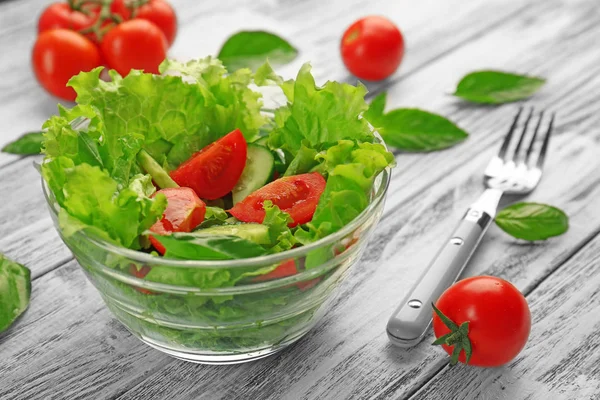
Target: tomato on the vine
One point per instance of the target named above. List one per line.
(62, 16)
(134, 44)
(372, 48)
(482, 321)
(59, 54)
(159, 12)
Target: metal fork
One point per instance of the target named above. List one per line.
(514, 172)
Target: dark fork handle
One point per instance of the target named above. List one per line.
(412, 318)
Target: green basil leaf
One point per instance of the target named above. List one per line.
(412, 129)
(15, 290)
(250, 49)
(496, 87)
(532, 221)
(29, 143)
(196, 246)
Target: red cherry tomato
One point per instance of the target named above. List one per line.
(372, 48)
(184, 212)
(61, 16)
(134, 44)
(158, 12)
(213, 171)
(120, 8)
(58, 55)
(297, 195)
(498, 316)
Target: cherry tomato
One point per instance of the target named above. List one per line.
(372, 48)
(120, 8)
(184, 212)
(213, 171)
(134, 44)
(58, 55)
(61, 16)
(297, 195)
(498, 316)
(158, 12)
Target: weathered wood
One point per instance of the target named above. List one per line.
(347, 355)
(560, 360)
(314, 29)
(53, 351)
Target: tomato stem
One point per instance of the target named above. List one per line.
(458, 337)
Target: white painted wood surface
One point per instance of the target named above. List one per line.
(68, 346)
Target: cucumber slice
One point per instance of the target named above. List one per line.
(256, 233)
(263, 141)
(258, 171)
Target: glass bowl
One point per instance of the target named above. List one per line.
(222, 325)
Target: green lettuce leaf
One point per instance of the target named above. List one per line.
(196, 246)
(319, 116)
(92, 202)
(281, 235)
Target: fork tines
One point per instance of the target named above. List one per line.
(517, 155)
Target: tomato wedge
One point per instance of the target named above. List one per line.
(297, 195)
(184, 212)
(213, 171)
(140, 274)
(283, 270)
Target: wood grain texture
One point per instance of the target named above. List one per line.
(68, 346)
(312, 26)
(560, 360)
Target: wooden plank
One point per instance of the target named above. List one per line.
(314, 28)
(560, 360)
(26, 231)
(54, 349)
(348, 354)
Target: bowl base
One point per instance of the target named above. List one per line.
(220, 359)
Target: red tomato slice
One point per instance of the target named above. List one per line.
(283, 270)
(213, 171)
(297, 195)
(184, 212)
(140, 274)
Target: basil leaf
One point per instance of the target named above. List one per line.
(496, 87)
(190, 246)
(15, 290)
(532, 221)
(250, 49)
(28, 144)
(412, 129)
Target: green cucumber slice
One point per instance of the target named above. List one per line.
(263, 141)
(256, 233)
(259, 169)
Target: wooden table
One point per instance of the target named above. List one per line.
(68, 346)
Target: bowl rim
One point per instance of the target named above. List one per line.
(378, 194)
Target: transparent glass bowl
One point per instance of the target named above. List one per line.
(222, 325)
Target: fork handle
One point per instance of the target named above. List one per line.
(412, 318)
